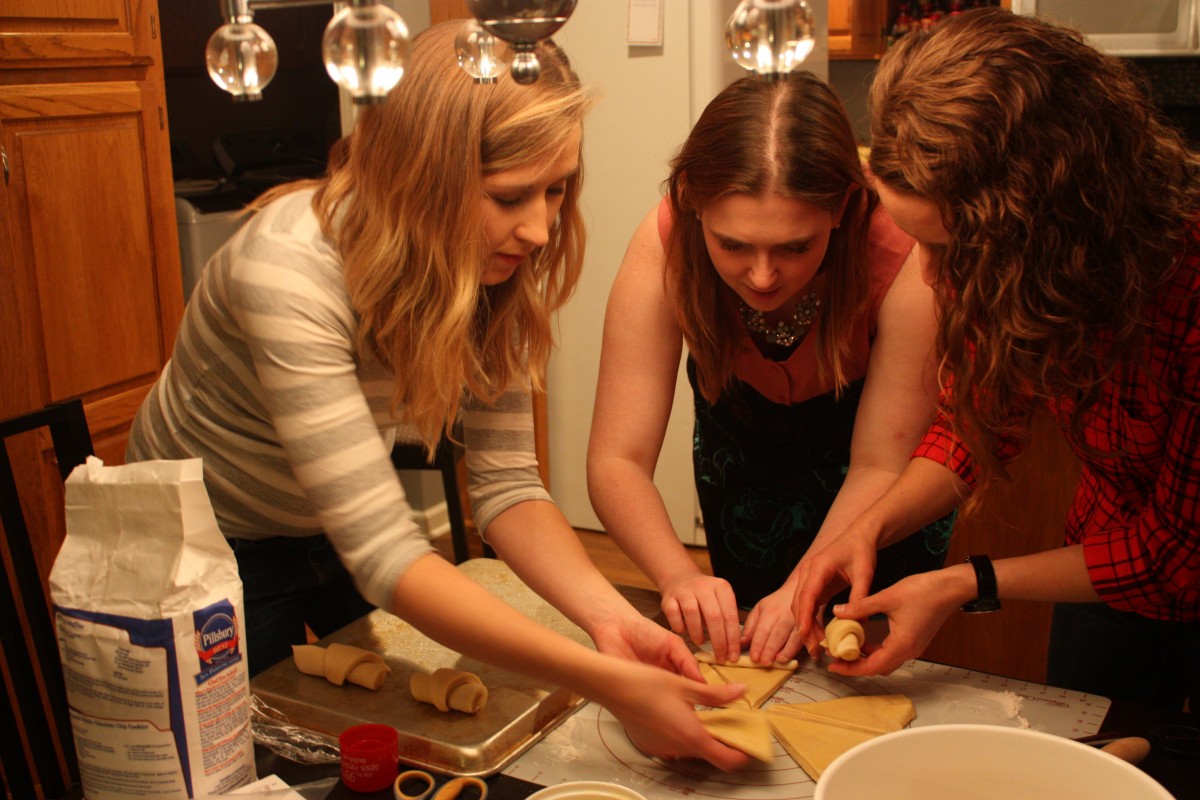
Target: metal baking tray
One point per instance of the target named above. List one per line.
(520, 709)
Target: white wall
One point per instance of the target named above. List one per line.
(650, 98)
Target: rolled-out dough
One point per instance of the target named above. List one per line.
(745, 729)
(761, 680)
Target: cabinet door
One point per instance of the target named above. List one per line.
(40, 33)
(93, 249)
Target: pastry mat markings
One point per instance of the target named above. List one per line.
(592, 744)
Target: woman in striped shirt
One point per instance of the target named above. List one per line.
(412, 286)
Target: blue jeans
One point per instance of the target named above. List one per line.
(1097, 649)
(287, 583)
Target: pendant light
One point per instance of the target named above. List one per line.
(365, 48)
(522, 23)
(366, 45)
(476, 51)
(770, 37)
(241, 56)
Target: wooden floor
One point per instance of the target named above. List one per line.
(608, 558)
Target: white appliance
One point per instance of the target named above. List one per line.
(201, 231)
(1125, 27)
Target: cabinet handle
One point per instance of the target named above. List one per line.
(4, 160)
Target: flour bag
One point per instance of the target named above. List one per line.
(148, 605)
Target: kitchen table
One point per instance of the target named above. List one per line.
(1179, 774)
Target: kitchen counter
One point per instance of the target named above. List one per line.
(1180, 775)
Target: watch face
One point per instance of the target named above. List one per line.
(981, 606)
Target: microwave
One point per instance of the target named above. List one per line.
(1125, 27)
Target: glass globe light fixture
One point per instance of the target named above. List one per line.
(770, 37)
(366, 50)
(476, 49)
(241, 56)
(522, 23)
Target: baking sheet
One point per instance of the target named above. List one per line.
(520, 710)
(592, 745)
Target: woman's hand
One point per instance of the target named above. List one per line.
(657, 710)
(916, 607)
(770, 628)
(699, 602)
(848, 559)
(639, 639)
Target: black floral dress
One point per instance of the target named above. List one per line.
(766, 475)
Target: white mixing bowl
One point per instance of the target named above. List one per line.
(982, 762)
(586, 790)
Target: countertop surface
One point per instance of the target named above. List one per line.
(1179, 774)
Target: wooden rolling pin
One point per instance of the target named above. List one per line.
(1128, 748)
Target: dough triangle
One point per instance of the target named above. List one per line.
(869, 714)
(814, 745)
(761, 680)
(741, 728)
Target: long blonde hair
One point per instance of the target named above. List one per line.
(1068, 201)
(792, 139)
(404, 201)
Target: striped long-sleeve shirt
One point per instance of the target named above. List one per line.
(266, 386)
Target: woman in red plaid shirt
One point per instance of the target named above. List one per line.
(1057, 219)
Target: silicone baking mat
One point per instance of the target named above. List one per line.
(592, 745)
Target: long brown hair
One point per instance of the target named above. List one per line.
(404, 201)
(1067, 200)
(789, 138)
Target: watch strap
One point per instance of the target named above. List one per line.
(985, 579)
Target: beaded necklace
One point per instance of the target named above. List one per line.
(786, 332)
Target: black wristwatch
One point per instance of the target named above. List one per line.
(985, 578)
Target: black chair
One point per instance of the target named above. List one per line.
(23, 663)
(415, 456)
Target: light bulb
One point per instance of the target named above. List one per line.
(366, 50)
(522, 23)
(770, 37)
(476, 49)
(241, 58)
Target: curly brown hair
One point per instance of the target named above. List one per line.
(1067, 199)
(788, 138)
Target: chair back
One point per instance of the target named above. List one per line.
(415, 456)
(37, 746)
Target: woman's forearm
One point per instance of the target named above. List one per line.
(446, 605)
(633, 514)
(536, 541)
(925, 492)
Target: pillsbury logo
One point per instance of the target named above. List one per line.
(216, 639)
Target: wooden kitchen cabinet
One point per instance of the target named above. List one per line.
(91, 289)
(858, 28)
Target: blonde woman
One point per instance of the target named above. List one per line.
(414, 284)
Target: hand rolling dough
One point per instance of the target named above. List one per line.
(448, 688)
(844, 639)
(340, 663)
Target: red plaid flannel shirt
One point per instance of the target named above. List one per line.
(1135, 513)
